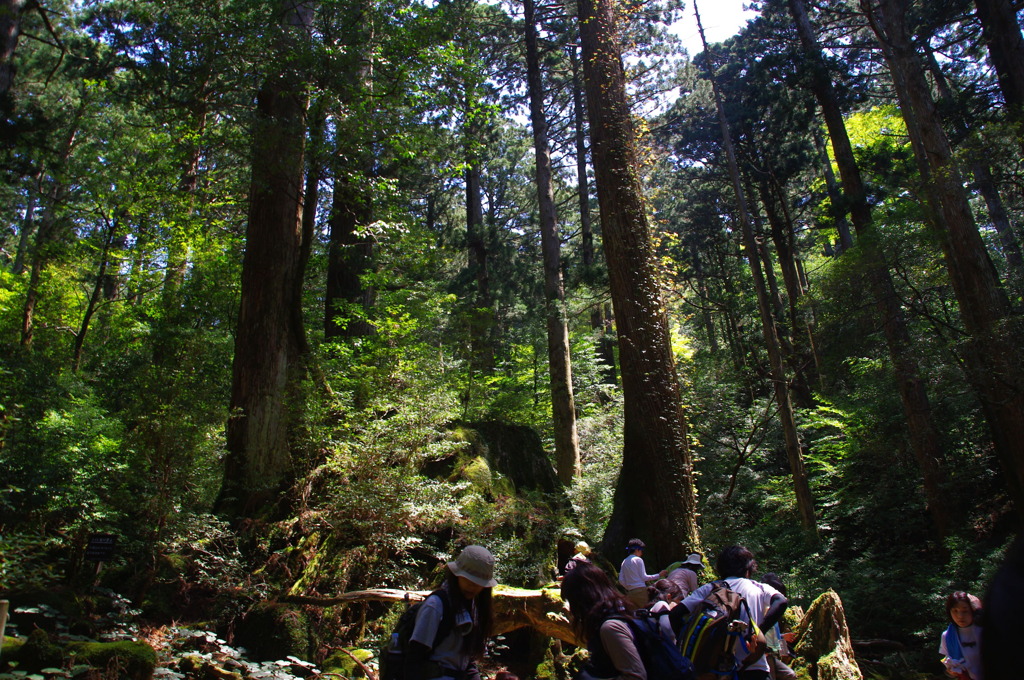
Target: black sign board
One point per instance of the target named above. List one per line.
(101, 547)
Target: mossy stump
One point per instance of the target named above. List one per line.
(823, 639)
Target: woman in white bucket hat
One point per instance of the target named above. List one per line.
(454, 622)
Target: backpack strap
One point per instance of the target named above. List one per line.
(447, 622)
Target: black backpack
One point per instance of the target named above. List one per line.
(662, 659)
(707, 637)
(392, 656)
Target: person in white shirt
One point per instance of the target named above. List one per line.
(633, 574)
(736, 565)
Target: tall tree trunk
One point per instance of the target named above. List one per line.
(835, 195)
(563, 406)
(94, 297)
(10, 29)
(1002, 34)
(267, 352)
(924, 438)
(992, 354)
(46, 234)
(351, 255)
(599, 322)
(481, 319)
(983, 179)
(655, 433)
(780, 381)
(28, 225)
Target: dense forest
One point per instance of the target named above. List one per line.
(298, 297)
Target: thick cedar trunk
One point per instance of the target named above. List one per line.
(780, 382)
(267, 352)
(599, 321)
(655, 436)
(992, 355)
(563, 407)
(1005, 47)
(924, 439)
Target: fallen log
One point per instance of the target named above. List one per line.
(514, 608)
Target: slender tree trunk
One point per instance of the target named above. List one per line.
(705, 298)
(992, 354)
(563, 406)
(835, 195)
(655, 433)
(94, 297)
(267, 353)
(46, 234)
(482, 319)
(924, 438)
(28, 226)
(599, 321)
(351, 255)
(983, 179)
(794, 452)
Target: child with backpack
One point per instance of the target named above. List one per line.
(719, 625)
(961, 642)
(453, 623)
(621, 646)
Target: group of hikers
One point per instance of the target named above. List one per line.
(661, 626)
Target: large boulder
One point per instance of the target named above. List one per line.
(517, 452)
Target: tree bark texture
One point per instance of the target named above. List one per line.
(1002, 34)
(780, 381)
(599, 321)
(563, 406)
(10, 30)
(924, 438)
(267, 344)
(992, 355)
(655, 433)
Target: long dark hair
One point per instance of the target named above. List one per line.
(592, 599)
(474, 643)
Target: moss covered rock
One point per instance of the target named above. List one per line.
(10, 650)
(130, 659)
(195, 666)
(272, 630)
(38, 652)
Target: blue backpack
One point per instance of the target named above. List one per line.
(662, 659)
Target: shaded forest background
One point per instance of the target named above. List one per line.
(298, 297)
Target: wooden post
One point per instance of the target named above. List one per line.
(4, 605)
